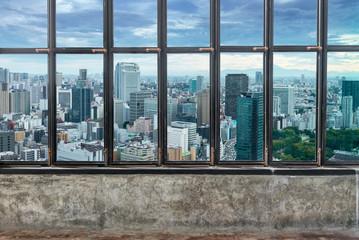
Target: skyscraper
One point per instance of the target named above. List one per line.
(178, 137)
(286, 95)
(4, 75)
(4, 99)
(236, 84)
(19, 102)
(151, 108)
(59, 79)
(200, 83)
(203, 107)
(81, 103)
(118, 112)
(192, 131)
(82, 81)
(7, 141)
(83, 74)
(192, 86)
(347, 111)
(64, 97)
(137, 104)
(250, 127)
(36, 94)
(276, 106)
(259, 78)
(127, 80)
(351, 88)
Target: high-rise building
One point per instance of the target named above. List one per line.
(30, 154)
(259, 78)
(83, 74)
(178, 137)
(118, 112)
(19, 101)
(174, 153)
(7, 141)
(36, 94)
(58, 79)
(276, 106)
(81, 104)
(138, 152)
(192, 86)
(200, 83)
(351, 88)
(151, 108)
(82, 81)
(203, 107)
(4, 99)
(286, 95)
(141, 125)
(137, 104)
(192, 131)
(127, 80)
(347, 111)
(236, 84)
(249, 144)
(64, 97)
(187, 108)
(4, 75)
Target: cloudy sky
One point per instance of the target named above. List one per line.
(23, 23)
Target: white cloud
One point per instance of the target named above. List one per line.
(68, 6)
(299, 61)
(33, 64)
(347, 39)
(241, 61)
(343, 62)
(146, 32)
(188, 64)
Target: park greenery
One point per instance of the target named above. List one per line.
(292, 144)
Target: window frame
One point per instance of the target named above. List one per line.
(214, 50)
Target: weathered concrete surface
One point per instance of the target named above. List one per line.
(177, 202)
(125, 235)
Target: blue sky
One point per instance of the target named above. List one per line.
(23, 23)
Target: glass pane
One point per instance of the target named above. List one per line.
(79, 95)
(135, 108)
(294, 104)
(295, 22)
(79, 23)
(188, 23)
(23, 108)
(242, 22)
(23, 23)
(188, 119)
(135, 23)
(343, 22)
(342, 138)
(241, 109)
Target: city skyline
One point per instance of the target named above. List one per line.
(80, 24)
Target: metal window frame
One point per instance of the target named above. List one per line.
(214, 68)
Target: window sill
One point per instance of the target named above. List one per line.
(189, 170)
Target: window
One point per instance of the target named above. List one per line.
(169, 82)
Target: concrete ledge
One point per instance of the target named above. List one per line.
(185, 170)
(177, 201)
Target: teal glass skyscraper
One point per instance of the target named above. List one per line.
(250, 127)
(351, 88)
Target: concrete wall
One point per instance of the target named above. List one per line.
(158, 202)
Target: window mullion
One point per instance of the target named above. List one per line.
(215, 81)
(268, 81)
(51, 39)
(162, 80)
(322, 34)
(108, 80)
